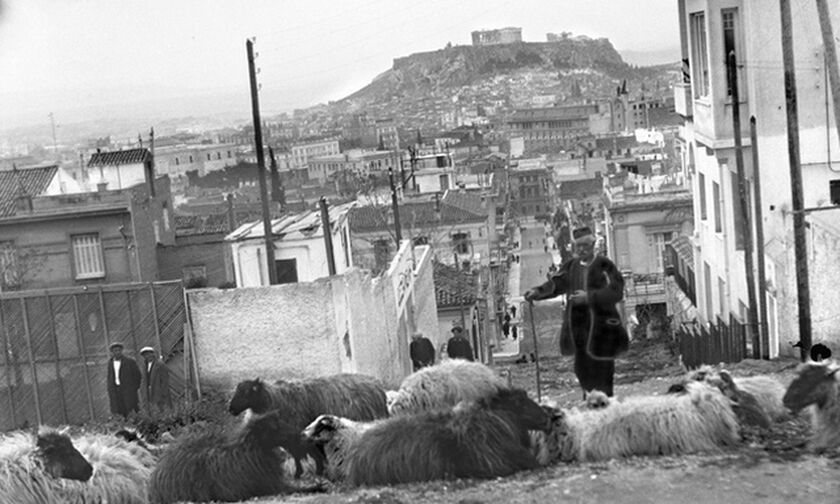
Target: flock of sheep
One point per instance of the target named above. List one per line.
(457, 419)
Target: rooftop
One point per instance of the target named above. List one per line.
(297, 226)
(23, 182)
(453, 287)
(412, 215)
(191, 225)
(123, 157)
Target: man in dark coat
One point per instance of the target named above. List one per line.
(592, 330)
(421, 350)
(155, 382)
(123, 381)
(458, 347)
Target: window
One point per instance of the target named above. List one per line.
(286, 270)
(87, 256)
(208, 156)
(177, 162)
(722, 296)
(834, 191)
(194, 276)
(8, 265)
(420, 240)
(461, 243)
(707, 277)
(699, 54)
(381, 253)
(718, 209)
(228, 153)
(191, 159)
(701, 183)
(730, 45)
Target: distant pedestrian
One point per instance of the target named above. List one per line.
(123, 382)
(458, 347)
(513, 332)
(513, 311)
(155, 382)
(421, 350)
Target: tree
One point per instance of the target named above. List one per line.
(18, 266)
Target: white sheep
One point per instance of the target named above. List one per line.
(768, 391)
(701, 419)
(444, 385)
(818, 384)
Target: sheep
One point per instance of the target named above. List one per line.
(444, 385)
(481, 439)
(818, 384)
(818, 352)
(355, 396)
(767, 391)
(31, 467)
(701, 419)
(225, 466)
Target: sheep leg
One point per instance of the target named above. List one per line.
(298, 468)
(319, 461)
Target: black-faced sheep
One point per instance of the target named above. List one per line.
(224, 466)
(482, 439)
(700, 419)
(31, 466)
(444, 385)
(354, 396)
(768, 391)
(818, 384)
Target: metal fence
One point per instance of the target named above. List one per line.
(719, 343)
(54, 342)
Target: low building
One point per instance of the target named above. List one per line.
(200, 254)
(300, 253)
(551, 128)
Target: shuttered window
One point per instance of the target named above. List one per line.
(87, 256)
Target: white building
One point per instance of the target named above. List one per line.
(300, 252)
(709, 30)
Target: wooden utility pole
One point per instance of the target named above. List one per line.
(396, 208)
(831, 58)
(797, 198)
(328, 243)
(255, 109)
(759, 245)
(746, 230)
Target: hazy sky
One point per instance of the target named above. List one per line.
(81, 58)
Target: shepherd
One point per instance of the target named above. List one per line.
(592, 330)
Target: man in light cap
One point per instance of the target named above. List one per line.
(592, 329)
(155, 384)
(123, 381)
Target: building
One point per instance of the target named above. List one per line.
(457, 300)
(302, 150)
(530, 189)
(710, 29)
(551, 129)
(199, 255)
(300, 253)
(177, 160)
(355, 163)
(56, 240)
(507, 35)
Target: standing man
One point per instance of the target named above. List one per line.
(155, 383)
(592, 330)
(421, 350)
(123, 381)
(458, 347)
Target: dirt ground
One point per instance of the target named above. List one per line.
(771, 466)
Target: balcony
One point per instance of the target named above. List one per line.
(713, 123)
(683, 100)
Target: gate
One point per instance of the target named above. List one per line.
(54, 342)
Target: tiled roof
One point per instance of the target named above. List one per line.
(26, 181)
(453, 287)
(189, 225)
(130, 156)
(367, 218)
(575, 189)
(468, 201)
(616, 142)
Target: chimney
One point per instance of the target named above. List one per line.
(150, 164)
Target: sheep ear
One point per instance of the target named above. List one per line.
(64, 431)
(832, 371)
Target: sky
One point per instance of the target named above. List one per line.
(83, 59)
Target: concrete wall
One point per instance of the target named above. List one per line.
(344, 323)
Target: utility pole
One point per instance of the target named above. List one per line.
(255, 110)
(328, 243)
(396, 207)
(797, 198)
(831, 58)
(278, 194)
(759, 245)
(732, 70)
(55, 142)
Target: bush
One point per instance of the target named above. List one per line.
(210, 409)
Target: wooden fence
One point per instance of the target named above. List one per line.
(720, 343)
(54, 347)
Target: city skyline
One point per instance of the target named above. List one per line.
(93, 59)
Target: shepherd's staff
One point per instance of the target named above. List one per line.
(536, 348)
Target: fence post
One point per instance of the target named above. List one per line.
(82, 355)
(57, 357)
(6, 352)
(105, 320)
(155, 316)
(35, 391)
(131, 320)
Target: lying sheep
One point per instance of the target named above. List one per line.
(444, 385)
(354, 396)
(224, 466)
(700, 419)
(31, 466)
(818, 384)
(768, 391)
(482, 439)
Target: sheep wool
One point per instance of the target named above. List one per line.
(818, 385)
(442, 386)
(768, 391)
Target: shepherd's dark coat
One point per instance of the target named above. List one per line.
(593, 332)
(422, 353)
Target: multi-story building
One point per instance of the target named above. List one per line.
(530, 189)
(303, 150)
(353, 163)
(709, 31)
(177, 160)
(551, 128)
